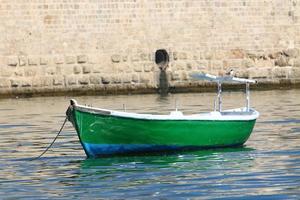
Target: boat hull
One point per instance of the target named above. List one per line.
(104, 135)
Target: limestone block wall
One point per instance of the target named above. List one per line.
(50, 46)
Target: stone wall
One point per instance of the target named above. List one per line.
(52, 46)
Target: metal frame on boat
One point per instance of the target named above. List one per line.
(105, 132)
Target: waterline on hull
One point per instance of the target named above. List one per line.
(103, 150)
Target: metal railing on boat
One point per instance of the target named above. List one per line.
(225, 79)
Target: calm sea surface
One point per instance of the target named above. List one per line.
(268, 167)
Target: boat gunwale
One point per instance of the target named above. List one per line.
(209, 116)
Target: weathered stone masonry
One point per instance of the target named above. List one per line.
(50, 46)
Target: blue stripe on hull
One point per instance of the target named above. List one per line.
(94, 150)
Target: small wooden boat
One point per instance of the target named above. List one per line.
(105, 132)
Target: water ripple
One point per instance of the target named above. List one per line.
(268, 167)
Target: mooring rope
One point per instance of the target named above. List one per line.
(66, 119)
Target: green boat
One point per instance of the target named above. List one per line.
(105, 132)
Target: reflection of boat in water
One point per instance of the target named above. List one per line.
(105, 132)
(208, 156)
(170, 158)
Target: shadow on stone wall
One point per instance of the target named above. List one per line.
(163, 83)
(162, 60)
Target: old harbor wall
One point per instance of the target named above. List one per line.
(117, 46)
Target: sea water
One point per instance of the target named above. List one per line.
(267, 167)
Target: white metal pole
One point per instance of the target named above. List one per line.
(176, 105)
(219, 96)
(247, 97)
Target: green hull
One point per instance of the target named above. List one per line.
(102, 134)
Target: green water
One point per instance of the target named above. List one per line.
(268, 167)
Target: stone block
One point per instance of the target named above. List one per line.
(202, 55)
(116, 58)
(71, 80)
(232, 64)
(236, 54)
(7, 72)
(125, 58)
(59, 69)
(119, 69)
(282, 61)
(152, 57)
(145, 57)
(219, 55)
(77, 69)
(293, 53)
(280, 72)
(126, 68)
(148, 67)
(297, 62)
(178, 65)
(33, 61)
(145, 78)
(295, 73)
(264, 63)
(216, 64)
(135, 58)
(208, 55)
(184, 76)
(106, 79)
(58, 80)
(84, 80)
(127, 78)
(82, 59)
(138, 67)
(116, 79)
(202, 64)
(196, 57)
(26, 83)
(274, 55)
(97, 69)
(37, 82)
(30, 72)
(93, 59)
(70, 59)
(15, 83)
(189, 66)
(65, 69)
(180, 56)
(22, 60)
(12, 61)
(289, 72)
(175, 76)
(43, 60)
(4, 83)
(47, 81)
(242, 73)
(135, 78)
(86, 69)
(19, 72)
(251, 55)
(248, 63)
(58, 60)
(291, 62)
(50, 71)
(258, 73)
(95, 79)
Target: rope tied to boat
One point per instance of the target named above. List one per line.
(66, 119)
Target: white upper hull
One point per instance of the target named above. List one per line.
(226, 115)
